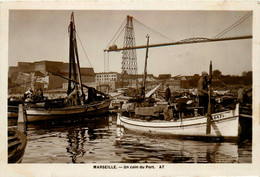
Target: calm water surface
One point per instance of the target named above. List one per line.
(99, 140)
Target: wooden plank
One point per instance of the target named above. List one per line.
(14, 143)
(12, 137)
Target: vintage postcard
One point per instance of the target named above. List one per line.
(130, 88)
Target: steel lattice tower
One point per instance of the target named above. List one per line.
(129, 63)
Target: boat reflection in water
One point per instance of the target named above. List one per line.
(149, 149)
(77, 137)
(99, 140)
(76, 140)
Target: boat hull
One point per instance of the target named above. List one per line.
(17, 142)
(12, 111)
(223, 125)
(245, 120)
(12, 115)
(43, 114)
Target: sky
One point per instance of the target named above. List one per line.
(36, 35)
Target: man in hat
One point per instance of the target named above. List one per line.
(167, 93)
(203, 91)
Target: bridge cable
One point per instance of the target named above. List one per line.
(233, 25)
(153, 30)
(117, 34)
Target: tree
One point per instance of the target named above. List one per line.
(216, 74)
(248, 78)
(244, 74)
(249, 74)
(196, 75)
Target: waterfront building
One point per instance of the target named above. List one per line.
(106, 81)
(110, 81)
(27, 73)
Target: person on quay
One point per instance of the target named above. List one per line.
(167, 93)
(203, 91)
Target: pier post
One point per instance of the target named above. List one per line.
(121, 105)
(22, 117)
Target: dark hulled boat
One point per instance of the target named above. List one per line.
(76, 104)
(16, 145)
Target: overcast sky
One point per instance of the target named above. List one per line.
(36, 35)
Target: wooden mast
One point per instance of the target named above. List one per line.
(208, 130)
(73, 53)
(72, 66)
(77, 57)
(145, 66)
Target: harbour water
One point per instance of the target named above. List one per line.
(99, 140)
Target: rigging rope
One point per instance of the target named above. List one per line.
(84, 50)
(234, 25)
(153, 30)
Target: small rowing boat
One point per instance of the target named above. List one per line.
(16, 145)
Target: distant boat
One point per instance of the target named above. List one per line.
(74, 105)
(223, 125)
(16, 145)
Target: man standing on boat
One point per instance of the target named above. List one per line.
(73, 97)
(167, 93)
(203, 91)
(240, 94)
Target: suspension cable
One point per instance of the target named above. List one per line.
(234, 25)
(116, 34)
(153, 30)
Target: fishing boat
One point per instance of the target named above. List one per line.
(158, 119)
(76, 104)
(224, 125)
(16, 145)
(42, 113)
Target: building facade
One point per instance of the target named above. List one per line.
(40, 73)
(107, 80)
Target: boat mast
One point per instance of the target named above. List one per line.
(74, 48)
(72, 65)
(208, 130)
(145, 66)
(77, 57)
